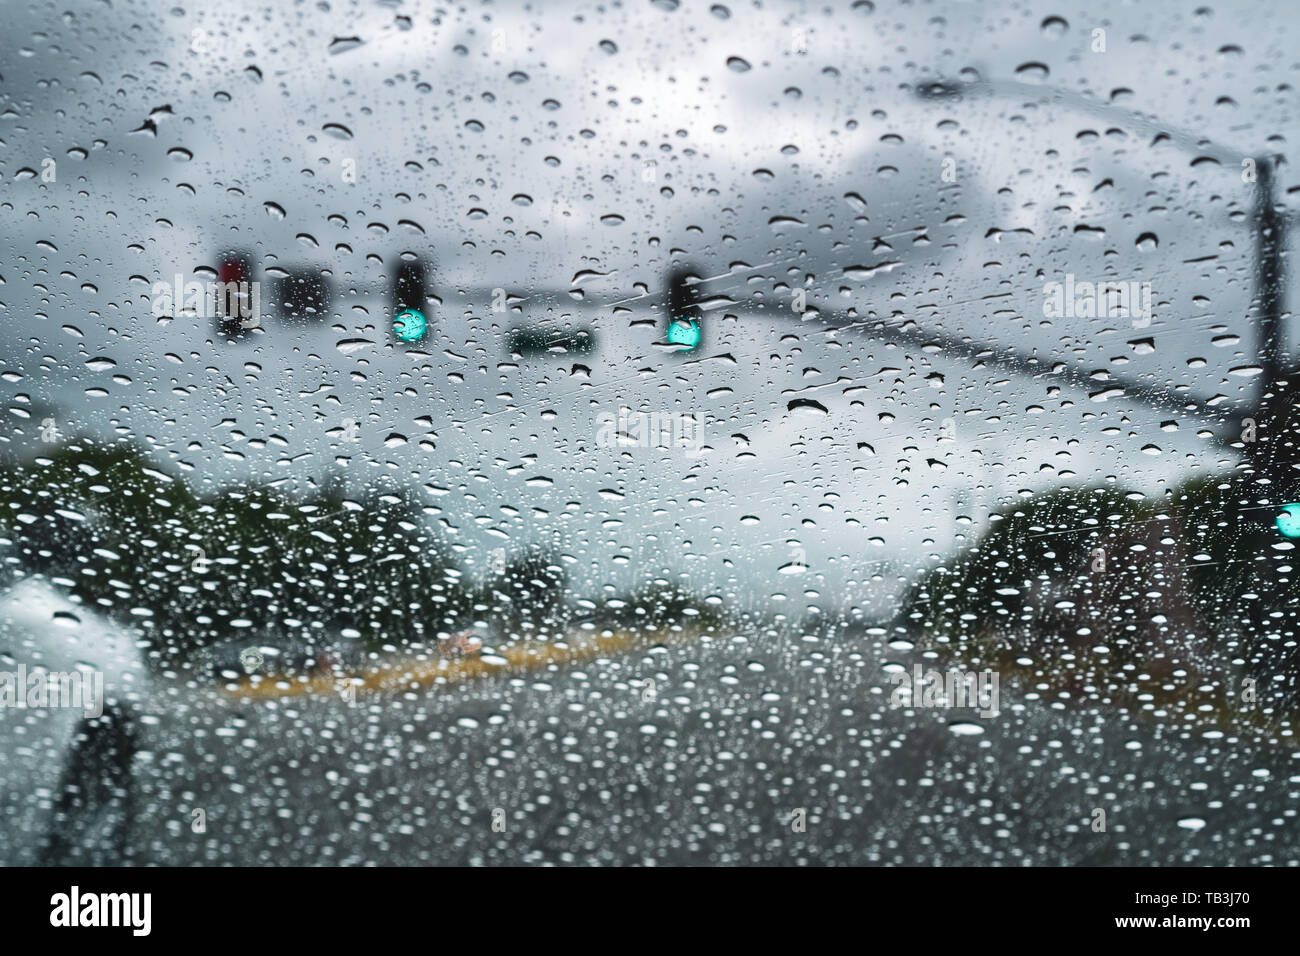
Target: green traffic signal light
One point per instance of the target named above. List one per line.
(685, 333)
(410, 325)
(1288, 521)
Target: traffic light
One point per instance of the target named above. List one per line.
(302, 294)
(536, 340)
(410, 322)
(1287, 521)
(236, 304)
(683, 318)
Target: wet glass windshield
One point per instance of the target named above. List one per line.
(647, 433)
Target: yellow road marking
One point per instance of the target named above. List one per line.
(519, 656)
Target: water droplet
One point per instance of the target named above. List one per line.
(344, 44)
(1033, 72)
(1054, 27)
(806, 406)
(348, 346)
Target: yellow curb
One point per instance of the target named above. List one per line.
(1222, 717)
(519, 657)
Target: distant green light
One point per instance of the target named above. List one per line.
(686, 333)
(1288, 521)
(410, 325)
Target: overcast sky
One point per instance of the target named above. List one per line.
(508, 144)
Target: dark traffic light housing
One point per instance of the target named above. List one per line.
(534, 340)
(303, 294)
(234, 305)
(683, 318)
(409, 316)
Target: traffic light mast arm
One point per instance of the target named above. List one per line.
(1268, 222)
(1012, 360)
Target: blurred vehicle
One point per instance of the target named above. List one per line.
(462, 644)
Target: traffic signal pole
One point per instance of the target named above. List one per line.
(1270, 235)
